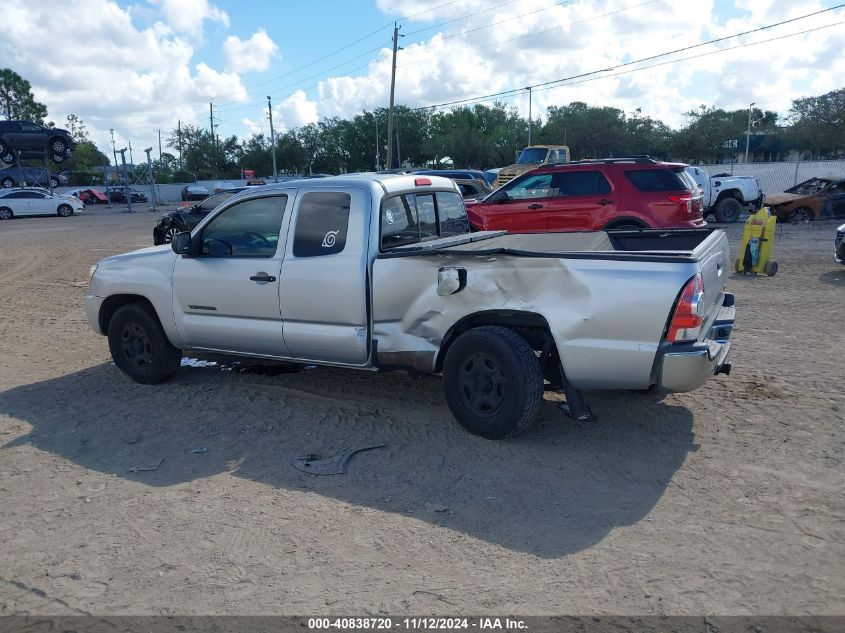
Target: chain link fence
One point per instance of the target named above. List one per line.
(776, 177)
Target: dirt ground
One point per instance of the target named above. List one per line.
(727, 500)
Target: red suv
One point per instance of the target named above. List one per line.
(590, 195)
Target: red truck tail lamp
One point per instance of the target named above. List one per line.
(686, 322)
(419, 182)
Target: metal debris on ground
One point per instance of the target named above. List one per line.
(199, 450)
(146, 467)
(315, 464)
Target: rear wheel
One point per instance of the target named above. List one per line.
(6, 213)
(7, 158)
(140, 347)
(727, 210)
(170, 233)
(801, 215)
(771, 268)
(493, 382)
(624, 225)
(54, 182)
(65, 210)
(7, 182)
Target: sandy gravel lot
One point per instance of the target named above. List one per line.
(728, 500)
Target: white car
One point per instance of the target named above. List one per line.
(18, 202)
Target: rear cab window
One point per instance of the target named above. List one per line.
(416, 217)
(659, 179)
(321, 224)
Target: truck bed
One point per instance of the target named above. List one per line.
(642, 245)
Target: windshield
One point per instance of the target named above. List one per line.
(532, 155)
(212, 201)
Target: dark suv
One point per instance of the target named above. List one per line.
(592, 195)
(26, 136)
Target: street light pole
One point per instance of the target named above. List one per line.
(126, 180)
(150, 174)
(272, 140)
(748, 132)
(114, 151)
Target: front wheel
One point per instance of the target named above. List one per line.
(65, 210)
(140, 347)
(58, 147)
(493, 382)
(802, 215)
(7, 182)
(170, 233)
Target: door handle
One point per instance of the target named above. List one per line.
(262, 276)
(604, 202)
(535, 206)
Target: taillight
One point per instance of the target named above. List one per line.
(686, 321)
(419, 182)
(684, 202)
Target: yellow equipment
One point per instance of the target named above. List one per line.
(755, 255)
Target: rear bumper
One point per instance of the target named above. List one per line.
(687, 366)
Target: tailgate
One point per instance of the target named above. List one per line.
(713, 256)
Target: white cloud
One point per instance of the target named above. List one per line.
(189, 15)
(295, 111)
(114, 75)
(252, 54)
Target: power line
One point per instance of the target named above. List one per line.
(339, 50)
(683, 59)
(630, 63)
(468, 15)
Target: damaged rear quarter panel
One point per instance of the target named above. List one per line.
(606, 316)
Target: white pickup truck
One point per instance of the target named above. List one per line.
(379, 272)
(726, 196)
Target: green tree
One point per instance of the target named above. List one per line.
(818, 124)
(16, 99)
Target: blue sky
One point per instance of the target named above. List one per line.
(143, 65)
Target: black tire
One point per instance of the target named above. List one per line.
(65, 210)
(58, 147)
(493, 383)
(771, 268)
(54, 182)
(801, 215)
(7, 158)
(58, 158)
(727, 210)
(169, 234)
(7, 182)
(4, 149)
(6, 213)
(139, 346)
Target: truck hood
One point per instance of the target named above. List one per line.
(780, 198)
(515, 170)
(150, 255)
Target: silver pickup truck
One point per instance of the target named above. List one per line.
(379, 272)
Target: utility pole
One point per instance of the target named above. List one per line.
(272, 139)
(131, 160)
(396, 36)
(126, 180)
(211, 122)
(150, 174)
(159, 147)
(114, 151)
(378, 155)
(179, 141)
(529, 114)
(748, 132)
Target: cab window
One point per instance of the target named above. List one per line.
(411, 218)
(321, 224)
(247, 229)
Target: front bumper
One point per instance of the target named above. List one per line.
(687, 366)
(92, 312)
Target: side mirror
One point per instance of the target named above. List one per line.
(181, 244)
(500, 195)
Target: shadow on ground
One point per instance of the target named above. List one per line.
(834, 277)
(553, 492)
